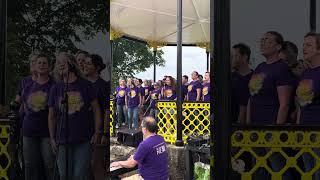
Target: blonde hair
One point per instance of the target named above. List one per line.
(72, 61)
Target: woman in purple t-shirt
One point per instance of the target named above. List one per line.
(36, 141)
(153, 98)
(206, 90)
(133, 101)
(93, 66)
(308, 95)
(26, 81)
(120, 101)
(73, 129)
(168, 93)
(194, 88)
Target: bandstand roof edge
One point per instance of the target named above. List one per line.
(155, 21)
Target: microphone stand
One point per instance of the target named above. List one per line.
(64, 120)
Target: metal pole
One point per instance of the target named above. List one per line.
(208, 63)
(108, 110)
(313, 15)
(154, 64)
(179, 141)
(3, 50)
(220, 35)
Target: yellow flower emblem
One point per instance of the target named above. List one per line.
(133, 93)
(205, 91)
(304, 92)
(121, 93)
(256, 83)
(37, 101)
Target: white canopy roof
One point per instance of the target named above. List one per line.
(155, 21)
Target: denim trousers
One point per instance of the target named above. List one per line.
(35, 150)
(153, 112)
(122, 114)
(79, 157)
(276, 163)
(310, 162)
(133, 114)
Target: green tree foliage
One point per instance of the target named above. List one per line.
(51, 26)
(128, 61)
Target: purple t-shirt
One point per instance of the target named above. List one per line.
(133, 97)
(120, 95)
(308, 95)
(184, 91)
(80, 119)
(103, 92)
(206, 91)
(152, 158)
(240, 92)
(192, 90)
(169, 93)
(263, 90)
(147, 90)
(142, 92)
(154, 96)
(35, 99)
(25, 82)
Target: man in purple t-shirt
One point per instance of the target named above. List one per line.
(270, 89)
(185, 85)
(240, 80)
(151, 155)
(194, 88)
(270, 85)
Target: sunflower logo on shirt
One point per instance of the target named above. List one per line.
(37, 101)
(168, 93)
(256, 83)
(133, 93)
(205, 91)
(153, 96)
(75, 101)
(121, 93)
(304, 92)
(190, 88)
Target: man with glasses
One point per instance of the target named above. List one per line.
(151, 155)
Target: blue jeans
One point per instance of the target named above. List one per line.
(122, 114)
(35, 150)
(310, 162)
(79, 157)
(133, 114)
(276, 163)
(153, 112)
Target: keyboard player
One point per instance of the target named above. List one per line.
(151, 155)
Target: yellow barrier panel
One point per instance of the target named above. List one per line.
(276, 153)
(195, 122)
(111, 117)
(5, 160)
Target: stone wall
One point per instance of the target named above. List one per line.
(176, 162)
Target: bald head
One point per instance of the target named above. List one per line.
(150, 124)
